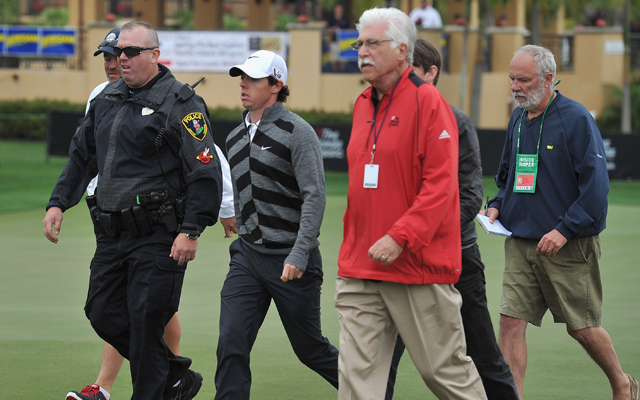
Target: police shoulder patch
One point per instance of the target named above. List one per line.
(195, 125)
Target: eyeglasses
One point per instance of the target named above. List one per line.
(131, 51)
(372, 44)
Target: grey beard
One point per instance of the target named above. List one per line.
(532, 100)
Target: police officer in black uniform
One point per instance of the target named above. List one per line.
(148, 136)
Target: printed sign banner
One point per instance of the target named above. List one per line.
(344, 38)
(58, 42)
(213, 51)
(21, 41)
(37, 41)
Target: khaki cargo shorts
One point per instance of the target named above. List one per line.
(568, 284)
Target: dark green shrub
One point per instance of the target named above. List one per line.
(233, 23)
(312, 117)
(27, 120)
(184, 17)
(55, 16)
(610, 118)
(9, 12)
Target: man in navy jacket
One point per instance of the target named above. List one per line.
(553, 187)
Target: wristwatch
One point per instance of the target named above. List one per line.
(191, 236)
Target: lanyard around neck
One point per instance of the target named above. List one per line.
(376, 134)
(541, 123)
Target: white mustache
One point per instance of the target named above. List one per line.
(365, 60)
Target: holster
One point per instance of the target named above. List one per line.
(94, 211)
(168, 217)
(110, 224)
(137, 220)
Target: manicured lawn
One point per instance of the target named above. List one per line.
(47, 346)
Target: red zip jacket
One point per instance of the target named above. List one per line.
(417, 200)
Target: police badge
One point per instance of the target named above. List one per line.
(196, 125)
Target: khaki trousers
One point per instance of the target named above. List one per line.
(428, 319)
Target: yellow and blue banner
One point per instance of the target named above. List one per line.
(345, 37)
(37, 41)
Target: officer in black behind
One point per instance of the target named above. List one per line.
(160, 186)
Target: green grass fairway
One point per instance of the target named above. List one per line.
(47, 346)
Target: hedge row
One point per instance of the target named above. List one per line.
(28, 120)
(312, 117)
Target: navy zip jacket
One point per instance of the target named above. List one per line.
(572, 183)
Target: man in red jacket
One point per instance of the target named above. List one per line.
(401, 251)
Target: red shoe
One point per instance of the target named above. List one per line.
(90, 392)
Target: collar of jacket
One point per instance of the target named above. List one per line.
(156, 94)
(270, 114)
(405, 79)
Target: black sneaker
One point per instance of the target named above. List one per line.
(187, 388)
(89, 392)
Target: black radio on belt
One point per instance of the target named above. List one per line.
(181, 206)
(168, 217)
(163, 210)
(152, 200)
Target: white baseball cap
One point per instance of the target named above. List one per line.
(261, 64)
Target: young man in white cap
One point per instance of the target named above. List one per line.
(279, 192)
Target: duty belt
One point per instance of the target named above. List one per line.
(138, 220)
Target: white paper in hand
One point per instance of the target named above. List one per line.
(493, 229)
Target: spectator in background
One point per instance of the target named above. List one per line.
(426, 16)
(337, 20)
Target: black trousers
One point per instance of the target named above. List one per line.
(253, 280)
(134, 290)
(482, 346)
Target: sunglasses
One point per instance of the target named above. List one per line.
(131, 51)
